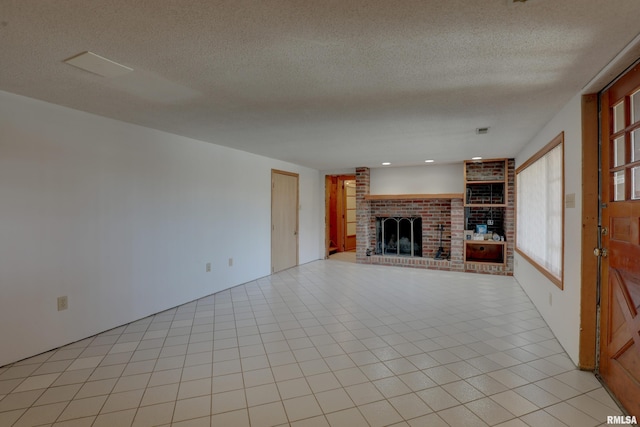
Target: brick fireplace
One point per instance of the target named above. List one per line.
(433, 212)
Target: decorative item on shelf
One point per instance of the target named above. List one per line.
(496, 237)
(481, 229)
(468, 234)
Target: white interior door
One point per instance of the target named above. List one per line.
(284, 220)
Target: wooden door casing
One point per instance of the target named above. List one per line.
(620, 296)
(348, 217)
(336, 236)
(340, 207)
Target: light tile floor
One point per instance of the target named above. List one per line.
(328, 343)
(349, 256)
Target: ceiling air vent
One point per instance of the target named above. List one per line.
(528, 2)
(482, 131)
(96, 64)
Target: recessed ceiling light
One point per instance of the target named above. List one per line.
(96, 64)
(386, 163)
(429, 161)
(476, 158)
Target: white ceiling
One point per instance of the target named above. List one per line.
(327, 84)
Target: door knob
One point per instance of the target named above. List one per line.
(601, 252)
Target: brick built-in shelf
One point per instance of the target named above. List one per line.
(485, 251)
(488, 200)
(412, 196)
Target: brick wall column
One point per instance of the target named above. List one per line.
(457, 235)
(510, 217)
(363, 215)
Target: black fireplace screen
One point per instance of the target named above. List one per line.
(399, 236)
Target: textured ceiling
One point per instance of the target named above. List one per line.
(327, 84)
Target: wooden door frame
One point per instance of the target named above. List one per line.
(340, 208)
(327, 214)
(588, 340)
(297, 229)
(345, 217)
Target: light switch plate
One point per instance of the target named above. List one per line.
(570, 201)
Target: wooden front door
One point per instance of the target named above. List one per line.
(620, 296)
(284, 220)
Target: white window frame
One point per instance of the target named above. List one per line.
(540, 218)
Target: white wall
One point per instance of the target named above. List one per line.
(427, 179)
(122, 219)
(563, 314)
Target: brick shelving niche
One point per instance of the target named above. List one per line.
(489, 201)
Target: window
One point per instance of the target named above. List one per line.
(540, 210)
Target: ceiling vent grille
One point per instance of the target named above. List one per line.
(96, 64)
(482, 131)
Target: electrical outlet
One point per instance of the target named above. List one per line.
(230, 262)
(63, 303)
(208, 267)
